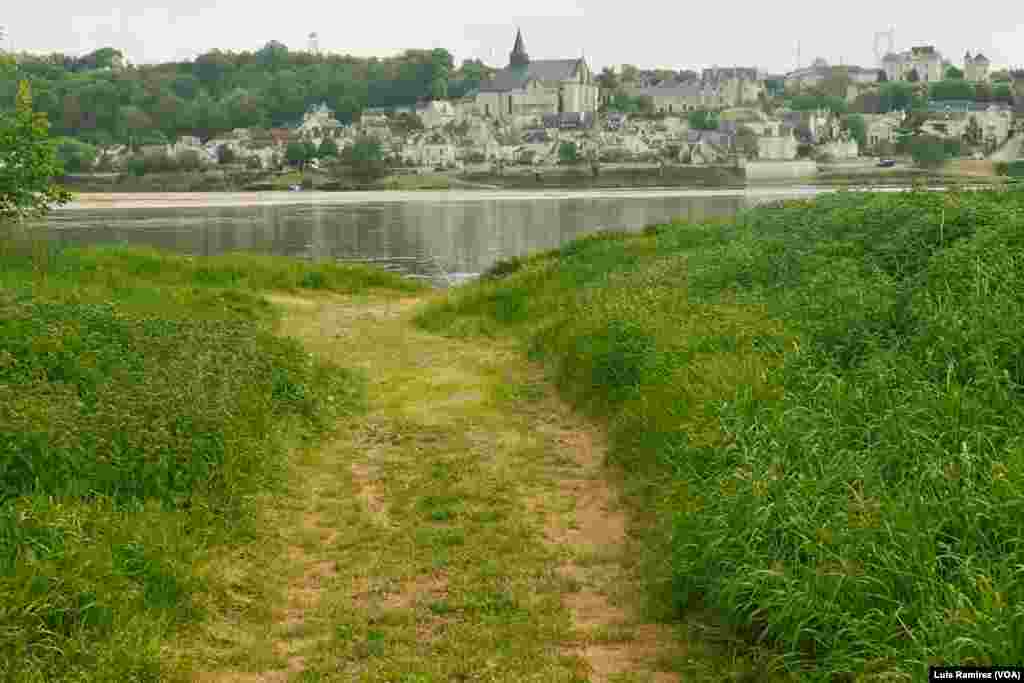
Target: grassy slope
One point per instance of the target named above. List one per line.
(821, 405)
(144, 402)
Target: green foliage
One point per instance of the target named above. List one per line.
(75, 156)
(366, 158)
(953, 73)
(823, 401)
(328, 149)
(567, 153)
(929, 151)
(28, 162)
(703, 120)
(219, 91)
(854, 123)
(810, 102)
(296, 154)
(952, 89)
(1013, 169)
(145, 403)
(225, 155)
(898, 96)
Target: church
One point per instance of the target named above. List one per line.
(527, 90)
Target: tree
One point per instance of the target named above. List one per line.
(882, 76)
(972, 133)
(629, 74)
(328, 148)
(928, 151)
(225, 155)
(608, 79)
(76, 156)
(310, 150)
(854, 123)
(913, 76)
(952, 89)
(28, 162)
(703, 120)
(295, 154)
(953, 73)
(567, 153)
(746, 141)
(366, 158)
(273, 55)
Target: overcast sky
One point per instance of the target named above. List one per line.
(648, 33)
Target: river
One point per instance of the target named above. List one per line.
(442, 236)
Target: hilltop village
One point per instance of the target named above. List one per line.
(540, 112)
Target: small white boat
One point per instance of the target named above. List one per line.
(295, 188)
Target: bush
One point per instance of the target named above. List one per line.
(1013, 169)
(928, 151)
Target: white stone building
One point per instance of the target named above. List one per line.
(526, 89)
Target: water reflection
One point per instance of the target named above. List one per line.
(435, 240)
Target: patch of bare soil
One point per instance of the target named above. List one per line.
(595, 525)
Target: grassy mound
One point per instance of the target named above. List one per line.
(144, 402)
(823, 403)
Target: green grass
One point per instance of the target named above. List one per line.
(145, 401)
(820, 405)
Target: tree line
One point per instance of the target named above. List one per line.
(100, 101)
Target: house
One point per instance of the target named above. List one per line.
(436, 113)
(374, 117)
(733, 86)
(615, 120)
(528, 89)
(677, 98)
(318, 123)
(881, 128)
(705, 147)
(568, 120)
(923, 60)
(777, 142)
(280, 136)
(430, 149)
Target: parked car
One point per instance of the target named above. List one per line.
(887, 163)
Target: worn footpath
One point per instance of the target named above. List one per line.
(463, 529)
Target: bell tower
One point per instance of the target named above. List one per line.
(518, 56)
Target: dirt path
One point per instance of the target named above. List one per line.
(463, 529)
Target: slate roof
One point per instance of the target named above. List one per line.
(515, 77)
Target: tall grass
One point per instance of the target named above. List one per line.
(144, 402)
(824, 403)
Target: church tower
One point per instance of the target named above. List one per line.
(518, 56)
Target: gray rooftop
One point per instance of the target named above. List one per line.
(515, 77)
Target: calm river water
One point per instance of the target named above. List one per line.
(442, 236)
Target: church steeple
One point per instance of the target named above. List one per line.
(518, 56)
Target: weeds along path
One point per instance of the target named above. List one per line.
(462, 529)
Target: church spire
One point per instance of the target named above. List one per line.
(518, 56)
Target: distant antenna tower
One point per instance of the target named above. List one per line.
(886, 39)
(314, 43)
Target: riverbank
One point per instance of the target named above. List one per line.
(819, 410)
(147, 410)
(252, 468)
